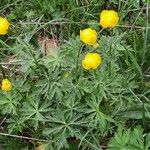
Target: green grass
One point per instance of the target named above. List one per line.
(54, 101)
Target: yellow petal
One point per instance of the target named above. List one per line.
(4, 26)
(6, 85)
(88, 36)
(91, 61)
(109, 18)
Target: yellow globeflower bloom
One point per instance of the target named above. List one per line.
(6, 85)
(4, 26)
(89, 36)
(91, 61)
(109, 18)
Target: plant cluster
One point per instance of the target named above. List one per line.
(90, 93)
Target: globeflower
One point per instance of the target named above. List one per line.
(4, 26)
(89, 37)
(109, 18)
(91, 61)
(6, 85)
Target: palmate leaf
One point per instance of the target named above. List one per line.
(71, 105)
(69, 51)
(120, 140)
(126, 139)
(61, 118)
(62, 140)
(16, 124)
(35, 110)
(89, 139)
(137, 141)
(9, 102)
(50, 86)
(61, 127)
(56, 59)
(95, 114)
(79, 89)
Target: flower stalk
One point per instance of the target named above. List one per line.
(77, 61)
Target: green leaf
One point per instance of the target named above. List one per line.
(129, 140)
(120, 140)
(9, 102)
(34, 110)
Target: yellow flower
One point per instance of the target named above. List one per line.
(89, 36)
(91, 61)
(6, 85)
(109, 18)
(4, 26)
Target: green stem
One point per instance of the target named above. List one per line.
(146, 36)
(35, 60)
(77, 61)
(94, 74)
(23, 137)
(145, 46)
(110, 53)
(143, 116)
(37, 63)
(3, 72)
